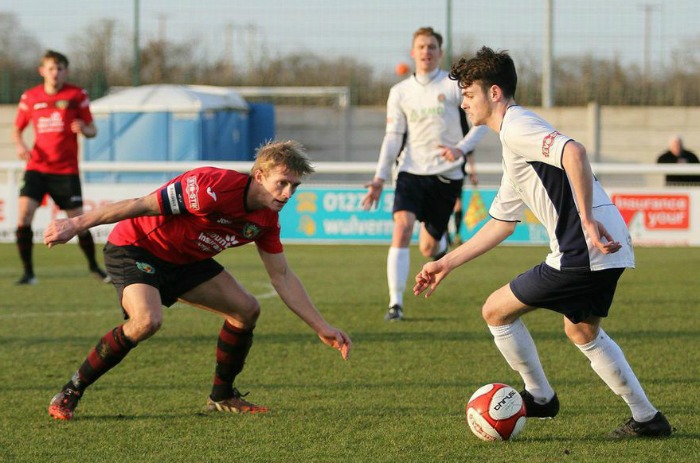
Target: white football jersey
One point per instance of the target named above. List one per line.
(429, 115)
(533, 177)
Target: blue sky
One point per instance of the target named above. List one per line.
(374, 31)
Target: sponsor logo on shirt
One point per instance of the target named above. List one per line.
(418, 114)
(548, 141)
(53, 123)
(213, 242)
(211, 193)
(441, 97)
(41, 105)
(192, 192)
(62, 104)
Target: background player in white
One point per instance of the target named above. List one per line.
(162, 250)
(423, 129)
(550, 174)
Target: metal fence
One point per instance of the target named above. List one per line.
(610, 51)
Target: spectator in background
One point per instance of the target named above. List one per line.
(429, 135)
(677, 154)
(58, 112)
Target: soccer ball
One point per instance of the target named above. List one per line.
(496, 412)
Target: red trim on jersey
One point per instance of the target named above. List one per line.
(214, 218)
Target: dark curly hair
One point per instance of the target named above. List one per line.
(488, 68)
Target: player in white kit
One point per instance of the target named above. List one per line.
(550, 174)
(425, 131)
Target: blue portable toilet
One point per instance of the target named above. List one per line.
(167, 123)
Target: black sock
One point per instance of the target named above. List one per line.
(25, 244)
(88, 247)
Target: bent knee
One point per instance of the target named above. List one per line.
(249, 312)
(144, 326)
(427, 250)
(502, 308)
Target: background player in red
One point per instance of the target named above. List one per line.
(58, 112)
(161, 251)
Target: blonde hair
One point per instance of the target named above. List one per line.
(289, 154)
(429, 32)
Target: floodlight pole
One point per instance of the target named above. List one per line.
(136, 81)
(448, 36)
(548, 58)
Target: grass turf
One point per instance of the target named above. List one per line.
(400, 397)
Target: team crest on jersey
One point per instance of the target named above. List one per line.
(193, 192)
(250, 231)
(548, 141)
(62, 104)
(146, 268)
(441, 97)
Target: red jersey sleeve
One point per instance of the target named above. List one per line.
(23, 117)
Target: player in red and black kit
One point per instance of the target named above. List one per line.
(162, 251)
(58, 112)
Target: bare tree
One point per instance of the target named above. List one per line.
(20, 53)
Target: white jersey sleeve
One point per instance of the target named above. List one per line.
(472, 138)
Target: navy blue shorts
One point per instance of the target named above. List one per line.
(131, 264)
(430, 197)
(64, 189)
(577, 295)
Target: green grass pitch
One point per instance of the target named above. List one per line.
(400, 397)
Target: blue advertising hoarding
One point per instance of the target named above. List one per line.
(318, 214)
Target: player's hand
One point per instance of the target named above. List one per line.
(371, 199)
(430, 277)
(59, 231)
(337, 340)
(450, 153)
(77, 126)
(23, 153)
(596, 231)
(473, 178)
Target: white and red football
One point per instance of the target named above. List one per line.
(496, 412)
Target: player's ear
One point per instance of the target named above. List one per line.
(258, 175)
(495, 93)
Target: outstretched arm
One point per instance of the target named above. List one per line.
(578, 170)
(60, 231)
(294, 295)
(487, 238)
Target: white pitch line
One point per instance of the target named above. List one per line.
(13, 316)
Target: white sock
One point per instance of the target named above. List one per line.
(397, 265)
(518, 348)
(609, 362)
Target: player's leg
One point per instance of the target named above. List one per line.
(437, 208)
(87, 245)
(457, 215)
(142, 304)
(25, 238)
(609, 362)
(430, 246)
(222, 294)
(31, 194)
(66, 192)
(502, 312)
(398, 262)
